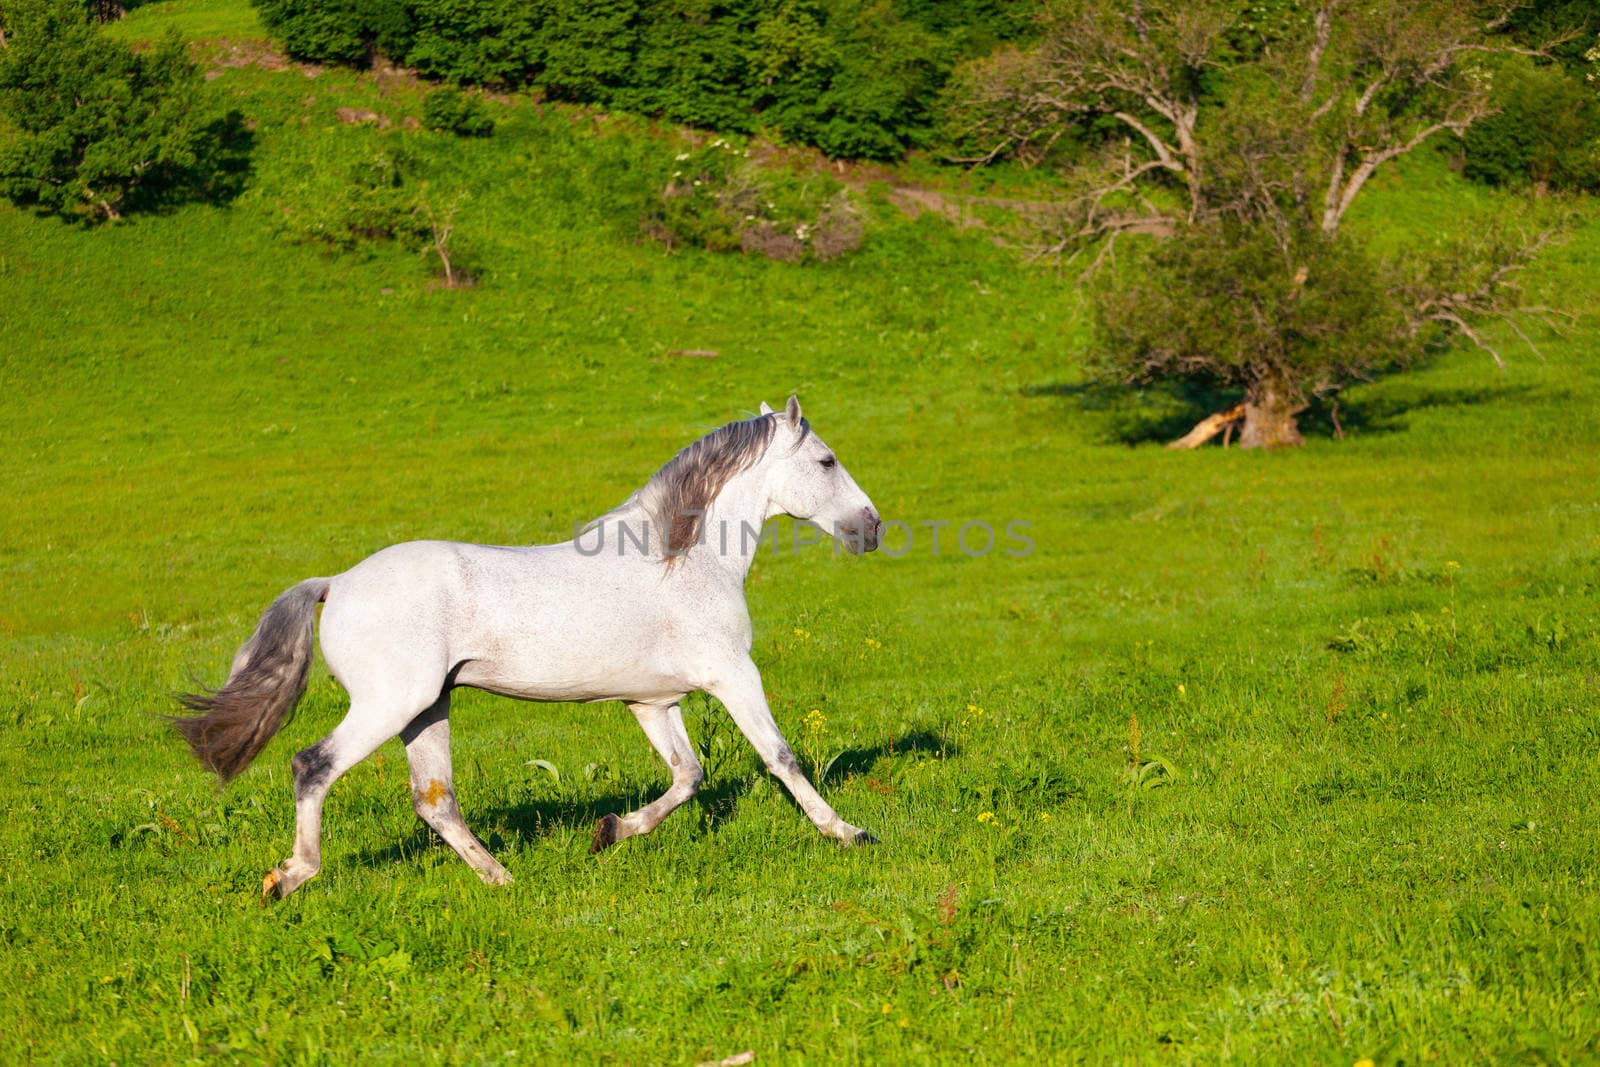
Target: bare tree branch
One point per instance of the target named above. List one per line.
(1164, 155)
(1322, 23)
(1341, 194)
(1469, 333)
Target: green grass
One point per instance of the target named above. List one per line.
(201, 20)
(1370, 665)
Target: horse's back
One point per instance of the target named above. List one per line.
(543, 622)
(439, 586)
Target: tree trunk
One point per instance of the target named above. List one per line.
(1271, 406)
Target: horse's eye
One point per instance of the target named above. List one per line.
(829, 462)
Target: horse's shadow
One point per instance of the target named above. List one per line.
(515, 824)
(523, 821)
(855, 761)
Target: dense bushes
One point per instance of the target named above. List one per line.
(718, 200)
(331, 31)
(1547, 131)
(96, 128)
(453, 111)
(855, 79)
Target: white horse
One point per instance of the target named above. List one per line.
(644, 606)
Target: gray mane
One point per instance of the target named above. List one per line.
(677, 496)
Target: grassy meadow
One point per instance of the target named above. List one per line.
(1282, 758)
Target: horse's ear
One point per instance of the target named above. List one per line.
(793, 412)
(766, 408)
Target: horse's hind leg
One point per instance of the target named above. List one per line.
(664, 727)
(427, 740)
(365, 727)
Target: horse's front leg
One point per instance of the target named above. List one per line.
(739, 689)
(664, 727)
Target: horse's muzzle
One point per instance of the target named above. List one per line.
(866, 535)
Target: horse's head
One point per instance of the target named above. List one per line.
(807, 481)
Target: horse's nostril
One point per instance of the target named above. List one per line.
(871, 527)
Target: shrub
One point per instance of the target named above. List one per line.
(478, 42)
(720, 201)
(319, 31)
(1546, 131)
(370, 199)
(588, 50)
(98, 128)
(453, 111)
(692, 67)
(838, 229)
(869, 96)
(377, 198)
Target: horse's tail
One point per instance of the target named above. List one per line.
(267, 680)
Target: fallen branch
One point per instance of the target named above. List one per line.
(697, 353)
(1209, 427)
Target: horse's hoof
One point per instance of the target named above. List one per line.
(269, 885)
(605, 833)
(497, 876)
(864, 838)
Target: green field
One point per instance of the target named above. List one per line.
(1257, 757)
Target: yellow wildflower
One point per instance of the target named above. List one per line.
(986, 816)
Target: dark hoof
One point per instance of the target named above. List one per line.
(605, 833)
(864, 838)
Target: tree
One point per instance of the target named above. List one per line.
(97, 128)
(440, 220)
(1244, 133)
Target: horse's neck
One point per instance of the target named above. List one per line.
(733, 525)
